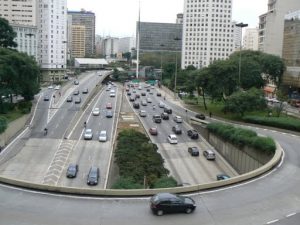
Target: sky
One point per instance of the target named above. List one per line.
(118, 18)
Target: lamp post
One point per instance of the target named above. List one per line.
(241, 25)
(175, 78)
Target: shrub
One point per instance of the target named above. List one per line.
(126, 183)
(25, 107)
(3, 124)
(165, 182)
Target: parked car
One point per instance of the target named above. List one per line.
(85, 91)
(209, 155)
(96, 112)
(72, 171)
(88, 134)
(194, 151)
(177, 119)
(136, 105)
(103, 136)
(172, 138)
(156, 119)
(153, 131)
(108, 105)
(109, 114)
(222, 177)
(176, 129)
(200, 116)
(168, 110)
(143, 113)
(93, 176)
(165, 116)
(162, 203)
(46, 98)
(77, 100)
(76, 92)
(193, 134)
(69, 99)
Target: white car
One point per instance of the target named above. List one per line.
(96, 112)
(50, 87)
(161, 105)
(143, 113)
(112, 94)
(103, 136)
(172, 138)
(88, 134)
(177, 119)
(143, 103)
(57, 87)
(149, 100)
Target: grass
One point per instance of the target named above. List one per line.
(12, 115)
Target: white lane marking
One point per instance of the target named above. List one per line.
(273, 221)
(3, 150)
(291, 214)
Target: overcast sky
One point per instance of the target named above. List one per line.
(118, 17)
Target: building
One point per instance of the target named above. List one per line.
(250, 40)
(291, 49)
(238, 36)
(99, 45)
(88, 63)
(208, 32)
(271, 25)
(52, 35)
(160, 36)
(78, 41)
(87, 19)
(111, 46)
(19, 12)
(126, 44)
(179, 18)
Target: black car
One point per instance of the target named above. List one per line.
(143, 94)
(131, 99)
(128, 93)
(177, 130)
(156, 119)
(158, 94)
(194, 151)
(193, 134)
(165, 116)
(170, 203)
(200, 116)
(222, 177)
(72, 171)
(168, 110)
(136, 105)
(46, 98)
(93, 176)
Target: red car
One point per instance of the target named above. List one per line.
(153, 131)
(108, 106)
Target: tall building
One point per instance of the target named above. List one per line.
(271, 25)
(160, 36)
(78, 41)
(126, 44)
(52, 31)
(99, 45)
(87, 19)
(207, 32)
(291, 49)
(111, 46)
(250, 40)
(237, 36)
(179, 18)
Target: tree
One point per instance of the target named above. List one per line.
(127, 55)
(3, 124)
(279, 107)
(7, 35)
(245, 101)
(201, 82)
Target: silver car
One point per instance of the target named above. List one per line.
(88, 134)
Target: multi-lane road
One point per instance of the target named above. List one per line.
(270, 199)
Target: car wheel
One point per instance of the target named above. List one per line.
(160, 213)
(188, 210)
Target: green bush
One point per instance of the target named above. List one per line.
(126, 183)
(5, 107)
(165, 182)
(279, 122)
(242, 137)
(3, 124)
(25, 107)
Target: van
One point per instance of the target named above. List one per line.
(93, 176)
(209, 155)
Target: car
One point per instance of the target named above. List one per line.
(143, 94)
(177, 119)
(88, 134)
(136, 105)
(76, 92)
(158, 94)
(109, 114)
(161, 105)
(96, 112)
(112, 94)
(85, 91)
(162, 203)
(134, 91)
(137, 96)
(149, 100)
(46, 98)
(127, 89)
(69, 99)
(103, 136)
(108, 88)
(193, 134)
(168, 110)
(143, 103)
(164, 116)
(200, 116)
(148, 90)
(108, 105)
(222, 177)
(194, 151)
(50, 87)
(57, 87)
(151, 93)
(176, 129)
(156, 119)
(76, 82)
(143, 113)
(131, 99)
(209, 154)
(93, 176)
(172, 138)
(128, 93)
(72, 170)
(153, 131)
(77, 100)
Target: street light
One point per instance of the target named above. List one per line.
(175, 79)
(241, 25)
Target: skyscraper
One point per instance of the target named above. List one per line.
(251, 39)
(207, 32)
(87, 19)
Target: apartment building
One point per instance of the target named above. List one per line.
(126, 44)
(78, 41)
(208, 32)
(250, 40)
